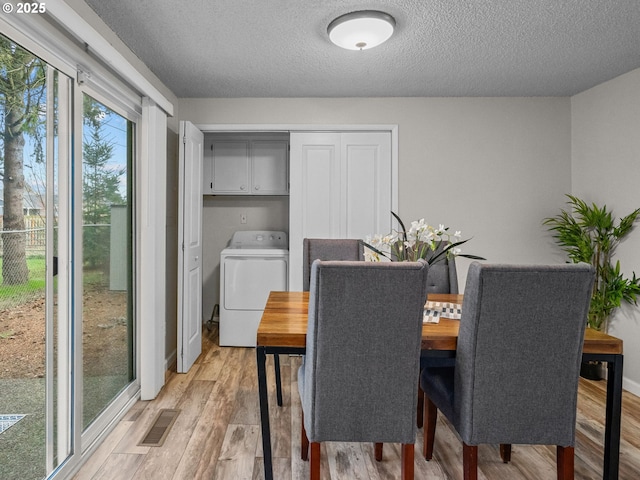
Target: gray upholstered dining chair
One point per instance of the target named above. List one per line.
(320, 249)
(518, 358)
(357, 382)
(328, 249)
(442, 278)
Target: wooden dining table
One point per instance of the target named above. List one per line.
(283, 330)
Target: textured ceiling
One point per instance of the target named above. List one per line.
(280, 48)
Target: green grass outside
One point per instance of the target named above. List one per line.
(13, 295)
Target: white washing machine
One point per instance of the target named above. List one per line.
(254, 264)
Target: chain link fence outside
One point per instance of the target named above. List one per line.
(34, 230)
(104, 264)
(34, 236)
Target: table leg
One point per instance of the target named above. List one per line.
(276, 366)
(261, 358)
(613, 417)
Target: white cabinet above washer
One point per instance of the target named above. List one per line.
(246, 164)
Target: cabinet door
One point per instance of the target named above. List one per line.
(231, 161)
(269, 164)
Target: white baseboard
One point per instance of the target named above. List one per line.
(171, 362)
(631, 386)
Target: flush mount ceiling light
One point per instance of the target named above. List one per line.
(361, 30)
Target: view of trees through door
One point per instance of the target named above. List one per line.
(23, 159)
(106, 237)
(44, 300)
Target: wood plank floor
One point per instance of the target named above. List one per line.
(217, 434)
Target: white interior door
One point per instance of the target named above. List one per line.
(190, 246)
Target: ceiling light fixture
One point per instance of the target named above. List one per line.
(361, 30)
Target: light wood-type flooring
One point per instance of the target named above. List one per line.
(217, 434)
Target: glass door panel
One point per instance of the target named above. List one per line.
(34, 353)
(107, 310)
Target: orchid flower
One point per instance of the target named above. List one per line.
(420, 241)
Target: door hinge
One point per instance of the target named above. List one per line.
(184, 140)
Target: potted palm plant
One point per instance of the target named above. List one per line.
(588, 233)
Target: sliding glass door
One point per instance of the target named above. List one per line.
(107, 309)
(67, 316)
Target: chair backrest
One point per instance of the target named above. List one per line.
(328, 249)
(363, 351)
(519, 353)
(443, 277)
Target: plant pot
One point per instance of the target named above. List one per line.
(591, 370)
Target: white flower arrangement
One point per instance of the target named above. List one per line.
(420, 241)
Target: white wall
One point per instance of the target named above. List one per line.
(491, 167)
(606, 169)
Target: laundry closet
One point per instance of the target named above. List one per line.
(303, 182)
(245, 225)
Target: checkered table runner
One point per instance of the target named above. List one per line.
(434, 310)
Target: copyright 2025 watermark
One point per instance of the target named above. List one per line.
(24, 7)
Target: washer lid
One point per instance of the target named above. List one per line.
(258, 239)
(254, 253)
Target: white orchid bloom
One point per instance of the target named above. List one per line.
(417, 226)
(371, 256)
(374, 241)
(414, 242)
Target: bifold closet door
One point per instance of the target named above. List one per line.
(340, 188)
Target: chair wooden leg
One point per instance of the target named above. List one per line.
(430, 419)
(407, 461)
(304, 441)
(419, 416)
(470, 461)
(378, 451)
(565, 459)
(505, 452)
(314, 464)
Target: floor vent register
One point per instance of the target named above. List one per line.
(159, 429)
